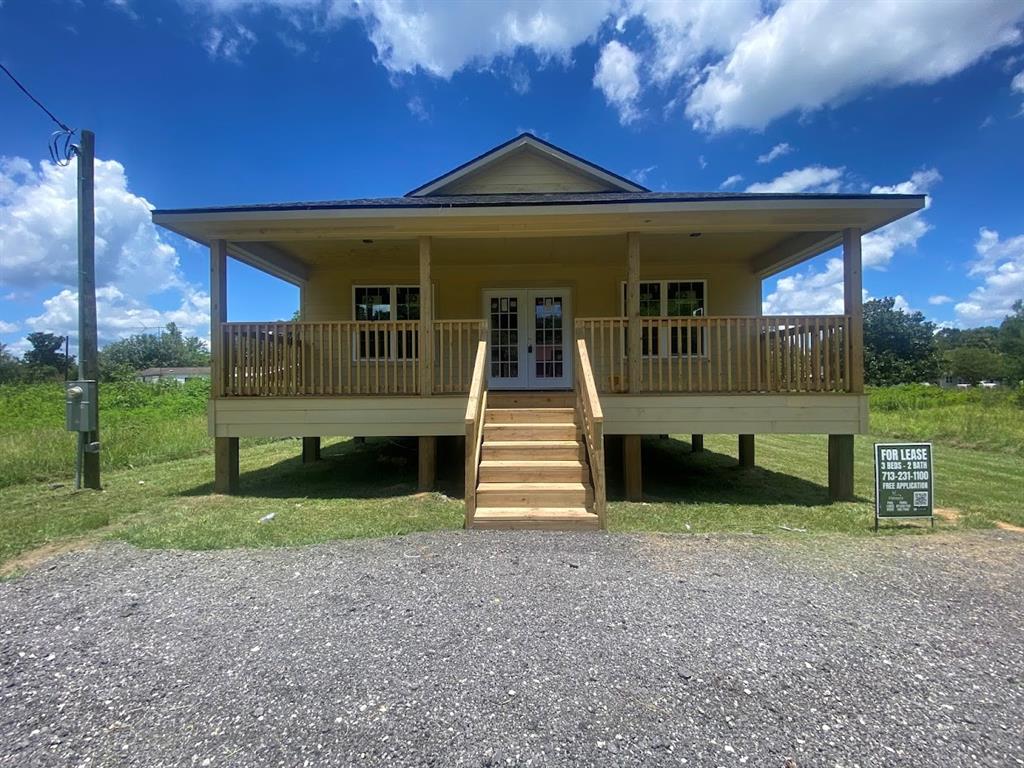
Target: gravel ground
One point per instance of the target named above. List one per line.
(522, 649)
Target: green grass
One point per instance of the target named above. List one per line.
(158, 475)
(356, 491)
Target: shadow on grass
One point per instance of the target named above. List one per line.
(378, 468)
(672, 473)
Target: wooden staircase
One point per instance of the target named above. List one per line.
(533, 471)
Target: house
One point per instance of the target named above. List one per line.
(180, 375)
(537, 306)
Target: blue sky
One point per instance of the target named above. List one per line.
(208, 102)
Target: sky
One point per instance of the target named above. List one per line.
(219, 102)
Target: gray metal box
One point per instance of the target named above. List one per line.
(80, 405)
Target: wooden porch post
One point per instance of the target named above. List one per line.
(225, 460)
(426, 350)
(427, 463)
(696, 443)
(632, 468)
(840, 467)
(225, 449)
(633, 309)
(310, 450)
(853, 296)
(218, 312)
(746, 451)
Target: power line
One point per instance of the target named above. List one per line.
(61, 148)
(38, 103)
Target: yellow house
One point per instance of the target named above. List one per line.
(536, 305)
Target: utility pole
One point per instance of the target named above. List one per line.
(88, 362)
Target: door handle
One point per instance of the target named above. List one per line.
(529, 349)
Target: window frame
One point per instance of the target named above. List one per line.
(664, 344)
(392, 337)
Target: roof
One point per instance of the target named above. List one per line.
(527, 141)
(531, 199)
(185, 371)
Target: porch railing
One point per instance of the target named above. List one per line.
(781, 354)
(342, 358)
(588, 406)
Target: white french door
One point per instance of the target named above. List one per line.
(530, 334)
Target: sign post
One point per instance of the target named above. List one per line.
(904, 482)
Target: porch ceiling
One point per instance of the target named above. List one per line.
(772, 232)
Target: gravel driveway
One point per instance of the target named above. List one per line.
(522, 649)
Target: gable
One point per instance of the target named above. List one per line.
(525, 171)
(523, 165)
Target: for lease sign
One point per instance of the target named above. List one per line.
(903, 480)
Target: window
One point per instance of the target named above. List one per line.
(380, 304)
(671, 298)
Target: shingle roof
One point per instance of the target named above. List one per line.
(531, 199)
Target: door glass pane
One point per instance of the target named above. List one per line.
(504, 316)
(686, 299)
(547, 340)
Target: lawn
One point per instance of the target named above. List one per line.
(158, 475)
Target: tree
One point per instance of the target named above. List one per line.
(10, 366)
(899, 347)
(171, 349)
(46, 359)
(1011, 343)
(974, 364)
(985, 337)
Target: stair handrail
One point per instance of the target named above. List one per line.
(475, 408)
(588, 404)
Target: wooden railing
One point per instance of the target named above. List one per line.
(341, 358)
(475, 410)
(723, 354)
(588, 405)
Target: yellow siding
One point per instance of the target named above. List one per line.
(525, 171)
(592, 267)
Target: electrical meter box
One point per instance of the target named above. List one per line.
(80, 406)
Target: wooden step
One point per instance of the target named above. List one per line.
(529, 431)
(544, 471)
(530, 416)
(532, 450)
(533, 495)
(498, 399)
(535, 518)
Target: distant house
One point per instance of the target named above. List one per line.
(534, 305)
(180, 375)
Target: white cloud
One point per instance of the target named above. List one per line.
(1017, 84)
(808, 293)
(1000, 264)
(851, 47)
(417, 108)
(38, 240)
(617, 78)
(640, 175)
(878, 248)
(6, 327)
(813, 178)
(735, 63)
(229, 42)
(442, 38)
(684, 32)
(813, 291)
(775, 152)
(939, 300)
(732, 181)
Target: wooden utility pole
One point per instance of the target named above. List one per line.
(88, 355)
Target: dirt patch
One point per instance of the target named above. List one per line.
(1002, 525)
(33, 558)
(948, 514)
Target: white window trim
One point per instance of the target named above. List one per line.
(664, 346)
(391, 357)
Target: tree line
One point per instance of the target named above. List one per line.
(903, 348)
(45, 360)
